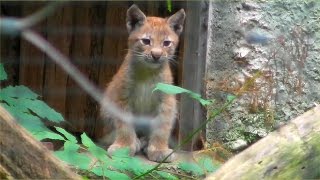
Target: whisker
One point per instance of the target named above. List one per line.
(173, 61)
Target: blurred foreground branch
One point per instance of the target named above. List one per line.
(291, 152)
(29, 159)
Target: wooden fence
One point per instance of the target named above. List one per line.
(94, 36)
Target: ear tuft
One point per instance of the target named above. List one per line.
(176, 21)
(135, 18)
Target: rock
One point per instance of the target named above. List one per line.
(237, 144)
(248, 6)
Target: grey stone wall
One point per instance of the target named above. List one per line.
(267, 51)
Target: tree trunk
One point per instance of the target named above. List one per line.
(291, 152)
(23, 157)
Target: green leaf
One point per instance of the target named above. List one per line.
(71, 146)
(3, 74)
(137, 166)
(71, 156)
(86, 141)
(131, 164)
(171, 89)
(122, 152)
(191, 168)
(44, 111)
(204, 102)
(47, 135)
(69, 136)
(23, 98)
(30, 122)
(78, 160)
(169, 5)
(103, 171)
(95, 150)
(17, 92)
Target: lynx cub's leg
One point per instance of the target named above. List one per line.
(125, 137)
(158, 147)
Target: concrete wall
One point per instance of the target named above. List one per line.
(267, 51)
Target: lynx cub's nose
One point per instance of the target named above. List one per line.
(156, 53)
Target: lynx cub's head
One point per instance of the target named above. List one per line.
(153, 40)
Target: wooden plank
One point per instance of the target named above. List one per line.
(114, 48)
(177, 69)
(31, 59)
(10, 46)
(97, 22)
(153, 8)
(55, 84)
(80, 56)
(192, 114)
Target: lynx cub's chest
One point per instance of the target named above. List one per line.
(142, 101)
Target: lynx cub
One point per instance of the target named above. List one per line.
(152, 43)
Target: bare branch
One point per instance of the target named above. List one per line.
(40, 15)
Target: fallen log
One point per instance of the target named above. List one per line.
(23, 157)
(290, 152)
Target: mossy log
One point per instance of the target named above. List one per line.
(290, 152)
(23, 157)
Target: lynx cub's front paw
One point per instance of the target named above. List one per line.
(159, 155)
(133, 148)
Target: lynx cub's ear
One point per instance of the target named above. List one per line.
(176, 21)
(135, 18)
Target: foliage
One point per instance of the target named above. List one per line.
(29, 111)
(169, 5)
(121, 165)
(3, 74)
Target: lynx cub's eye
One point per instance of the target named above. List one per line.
(166, 43)
(145, 41)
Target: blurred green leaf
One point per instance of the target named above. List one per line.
(171, 89)
(32, 123)
(104, 171)
(69, 136)
(86, 141)
(71, 156)
(24, 99)
(169, 5)
(44, 111)
(96, 151)
(47, 135)
(3, 74)
(17, 92)
(122, 152)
